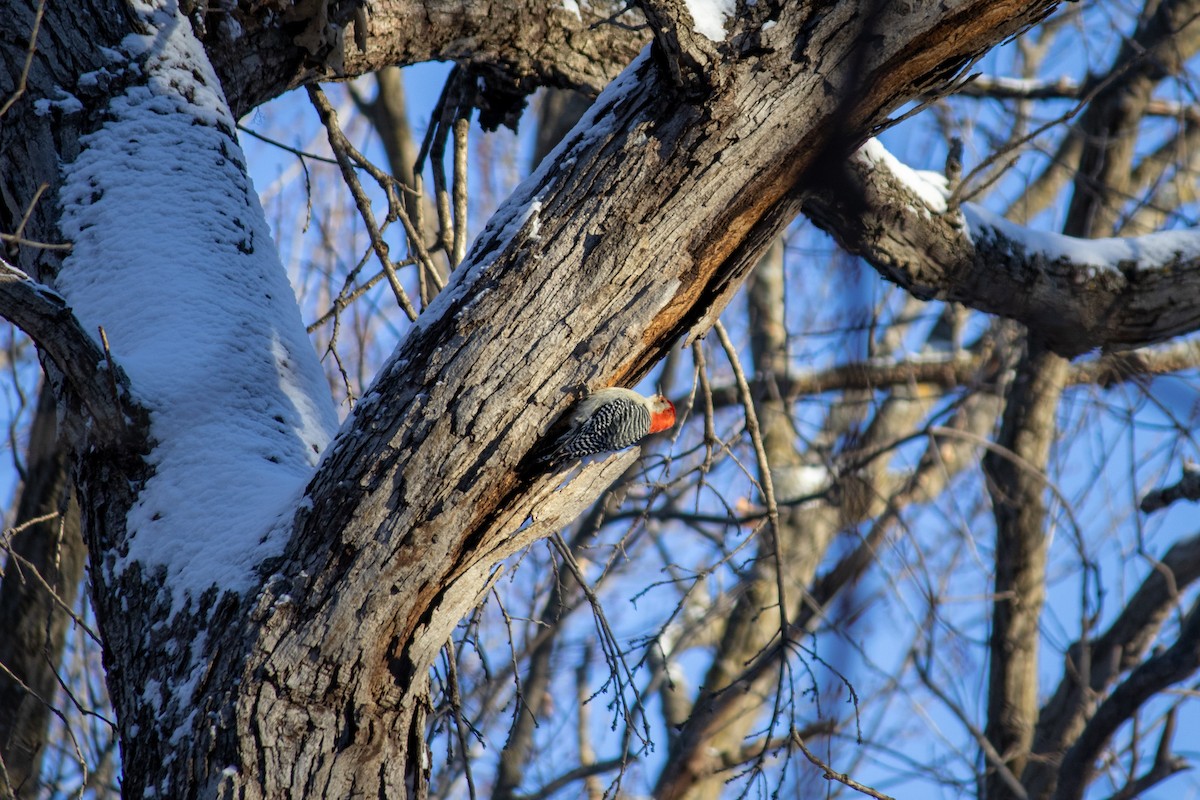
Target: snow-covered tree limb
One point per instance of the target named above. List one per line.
(1075, 294)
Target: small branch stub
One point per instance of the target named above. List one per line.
(689, 57)
(1188, 488)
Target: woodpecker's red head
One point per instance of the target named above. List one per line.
(662, 413)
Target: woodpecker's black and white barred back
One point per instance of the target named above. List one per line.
(607, 420)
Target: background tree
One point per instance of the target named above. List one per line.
(270, 619)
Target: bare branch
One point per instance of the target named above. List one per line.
(1061, 88)
(1187, 488)
(19, 89)
(830, 774)
(764, 471)
(1173, 665)
(582, 772)
(1165, 764)
(1119, 648)
(1017, 488)
(43, 314)
(341, 147)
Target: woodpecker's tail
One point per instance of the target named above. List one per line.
(546, 456)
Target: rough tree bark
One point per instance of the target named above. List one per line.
(445, 530)
(317, 683)
(40, 585)
(1016, 481)
(1072, 307)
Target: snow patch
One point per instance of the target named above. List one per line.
(531, 215)
(65, 103)
(1113, 254)
(708, 17)
(931, 187)
(793, 483)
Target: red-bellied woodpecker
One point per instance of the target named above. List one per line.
(610, 419)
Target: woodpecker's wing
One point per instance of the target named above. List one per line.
(614, 423)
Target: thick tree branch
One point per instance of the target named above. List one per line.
(873, 208)
(260, 53)
(433, 485)
(45, 317)
(1101, 660)
(641, 233)
(37, 592)
(1158, 49)
(1175, 664)
(1017, 485)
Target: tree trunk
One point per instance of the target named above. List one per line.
(316, 681)
(39, 588)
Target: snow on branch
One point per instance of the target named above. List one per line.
(1076, 294)
(173, 257)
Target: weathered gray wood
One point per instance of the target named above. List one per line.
(641, 237)
(318, 685)
(1072, 307)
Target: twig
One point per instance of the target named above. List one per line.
(9, 238)
(456, 710)
(1153, 675)
(993, 758)
(345, 298)
(1165, 764)
(706, 393)
(462, 127)
(18, 236)
(965, 191)
(840, 777)
(23, 561)
(22, 81)
(301, 154)
(764, 468)
(341, 147)
(112, 371)
(79, 759)
(578, 773)
(44, 315)
(768, 490)
(608, 641)
(435, 147)
(1062, 88)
